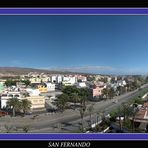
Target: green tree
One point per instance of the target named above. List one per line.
(90, 78)
(26, 105)
(10, 82)
(111, 93)
(62, 102)
(27, 82)
(75, 98)
(84, 95)
(135, 85)
(126, 111)
(14, 103)
(103, 80)
(138, 101)
(68, 90)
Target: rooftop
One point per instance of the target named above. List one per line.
(142, 115)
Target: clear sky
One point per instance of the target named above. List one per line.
(98, 44)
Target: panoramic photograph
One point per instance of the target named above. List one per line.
(73, 74)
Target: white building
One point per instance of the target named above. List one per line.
(50, 86)
(121, 83)
(82, 78)
(8, 95)
(109, 79)
(69, 80)
(81, 85)
(53, 78)
(124, 82)
(33, 92)
(59, 79)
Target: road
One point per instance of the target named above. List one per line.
(68, 121)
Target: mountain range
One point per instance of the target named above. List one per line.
(21, 70)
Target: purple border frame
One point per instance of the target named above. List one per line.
(74, 11)
(61, 136)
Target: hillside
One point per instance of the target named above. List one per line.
(20, 70)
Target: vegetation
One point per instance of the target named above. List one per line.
(75, 98)
(109, 93)
(18, 105)
(82, 111)
(128, 113)
(62, 102)
(76, 95)
(90, 78)
(14, 103)
(10, 82)
(103, 80)
(90, 110)
(13, 82)
(121, 90)
(26, 82)
(25, 105)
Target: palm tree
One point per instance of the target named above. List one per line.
(26, 105)
(132, 112)
(119, 114)
(83, 97)
(90, 110)
(126, 110)
(82, 112)
(14, 103)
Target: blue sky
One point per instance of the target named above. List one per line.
(97, 44)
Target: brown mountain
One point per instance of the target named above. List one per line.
(20, 70)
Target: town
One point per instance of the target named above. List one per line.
(73, 74)
(39, 102)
